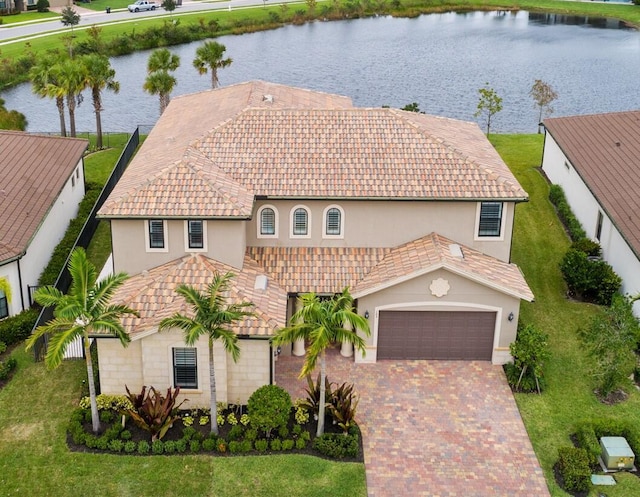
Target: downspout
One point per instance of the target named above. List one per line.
(20, 285)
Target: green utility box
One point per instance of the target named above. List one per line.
(616, 453)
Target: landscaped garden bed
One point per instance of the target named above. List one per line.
(273, 429)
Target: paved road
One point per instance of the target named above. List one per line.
(90, 17)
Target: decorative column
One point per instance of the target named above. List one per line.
(298, 347)
(346, 350)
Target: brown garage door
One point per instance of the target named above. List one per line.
(436, 335)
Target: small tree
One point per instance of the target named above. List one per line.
(70, 18)
(489, 104)
(530, 351)
(543, 94)
(11, 119)
(169, 5)
(42, 6)
(611, 338)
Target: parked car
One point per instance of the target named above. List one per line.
(141, 5)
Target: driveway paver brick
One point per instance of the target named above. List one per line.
(434, 428)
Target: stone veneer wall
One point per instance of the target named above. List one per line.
(148, 361)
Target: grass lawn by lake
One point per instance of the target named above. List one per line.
(539, 243)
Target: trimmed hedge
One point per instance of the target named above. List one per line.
(593, 280)
(337, 445)
(571, 223)
(588, 434)
(573, 464)
(16, 328)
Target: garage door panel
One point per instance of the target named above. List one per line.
(436, 335)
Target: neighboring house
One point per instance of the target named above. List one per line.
(596, 160)
(41, 186)
(21, 5)
(298, 191)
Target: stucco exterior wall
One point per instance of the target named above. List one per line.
(584, 205)
(385, 224)
(10, 273)
(463, 295)
(148, 361)
(225, 241)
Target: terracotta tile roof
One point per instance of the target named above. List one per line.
(190, 117)
(299, 147)
(367, 270)
(152, 294)
(324, 270)
(604, 149)
(33, 171)
(435, 251)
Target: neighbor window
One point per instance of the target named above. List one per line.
(196, 234)
(156, 234)
(4, 305)
(490, 222)
(185, 368)
(333, 222)
(599, 226)
(300, 221)
(267, 221)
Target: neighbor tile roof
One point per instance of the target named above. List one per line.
(33, 172)
(604, 149)
(294, 147)
(152, 294)
(367, 270)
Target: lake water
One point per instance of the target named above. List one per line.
(437, 60)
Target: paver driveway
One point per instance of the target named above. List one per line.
(441, 428)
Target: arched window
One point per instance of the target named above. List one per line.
(300, 222)
(267, 222)
(333, 222)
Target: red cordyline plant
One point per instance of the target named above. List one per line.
(154, 412)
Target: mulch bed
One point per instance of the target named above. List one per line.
(175, 434)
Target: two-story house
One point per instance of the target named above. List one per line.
(41, 186)
(296, 191)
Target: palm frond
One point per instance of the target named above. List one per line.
(48, 296)
(58, 343)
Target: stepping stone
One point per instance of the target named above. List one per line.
(602, 480)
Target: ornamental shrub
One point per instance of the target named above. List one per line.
(169, 447)
(116, 445)
(235, 433)
(130, 447)
(276, 444)
(269, 408)
(234, 447)
(42, 6)
(301, 443)
(195, 446)
(287, 444)
(337, 445)
(157, 447)
(573, 464)
(571, 223)
(261, 445)
(181, 445)
(143, 447)
(587, 246)
(16, 328)
(529, 351)
(592, 280)
(6, 367)
(209, 444)
(587, 440)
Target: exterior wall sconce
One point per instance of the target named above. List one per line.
(366, 314)
(510, 316)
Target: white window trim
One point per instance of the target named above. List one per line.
(502, 223)
(259, 222)
(199, 368)
(186, 236)
(324, 222)
(291, 215)
(147, 243)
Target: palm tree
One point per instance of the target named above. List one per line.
(323, 323)
(159, 81)
(209, 56)
(212, 317)
(45, 83)
(99, 75)
(78, 314)
(71, 76)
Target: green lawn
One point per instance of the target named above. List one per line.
(539, 244)
(29, 16)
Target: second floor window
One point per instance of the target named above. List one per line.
(196, 234)
(267, 221)
(300, 222)
(333, 224)
(156, 234)
(490, 223)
